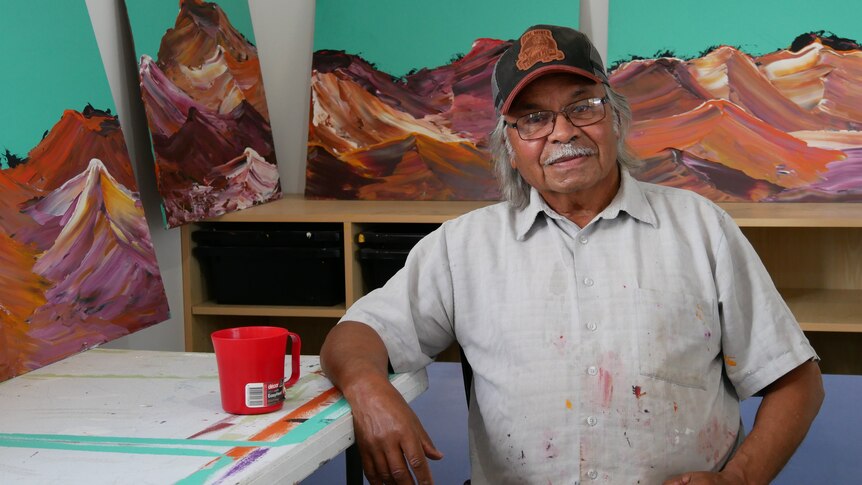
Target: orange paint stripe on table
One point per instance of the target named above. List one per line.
(290, 421)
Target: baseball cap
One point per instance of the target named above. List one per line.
(544, 49)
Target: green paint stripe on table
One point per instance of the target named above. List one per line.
(140, 450)
(315, 423)
(119, 440)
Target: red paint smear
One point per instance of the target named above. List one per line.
(636, 390)
(220, 425)
(607, 383)
(675, 407)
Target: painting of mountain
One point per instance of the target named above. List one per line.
(402, 110)
(206, 107)
(77, 265)
(755, 105)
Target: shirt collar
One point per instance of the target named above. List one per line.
(629, 199)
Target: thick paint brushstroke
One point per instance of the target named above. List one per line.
(423, 137)
(77, 266)
(101, 265)
(206, 107)
(780, 127)
(69, 146)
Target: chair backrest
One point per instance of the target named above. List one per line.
(467, 373)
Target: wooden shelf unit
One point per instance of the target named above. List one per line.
(812, 251)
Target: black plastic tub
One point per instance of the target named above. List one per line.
(273, 275)
(272, 264)
(383, 250)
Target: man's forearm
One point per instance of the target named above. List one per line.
(351, 354)
(783, 418)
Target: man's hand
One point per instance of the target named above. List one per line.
(706, 478)
(789, 406)
(392, 441)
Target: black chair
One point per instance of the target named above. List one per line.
(467, 374)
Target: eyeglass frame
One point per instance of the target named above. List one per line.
(592, 101)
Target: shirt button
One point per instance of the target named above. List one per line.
(592, 421)
(592, 370)
(593, 474)
(588, 281)
(583, 239)
(591, 326)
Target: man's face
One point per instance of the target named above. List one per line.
(542, 162)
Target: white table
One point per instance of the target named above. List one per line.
(122, 416)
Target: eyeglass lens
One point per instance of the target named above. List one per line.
(580, 113)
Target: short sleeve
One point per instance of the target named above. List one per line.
(413, 311)
(761, 339)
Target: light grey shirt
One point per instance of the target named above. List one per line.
(610, 353)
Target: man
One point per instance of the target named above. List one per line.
(612, 325)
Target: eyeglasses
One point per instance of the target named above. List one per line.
(541, 123)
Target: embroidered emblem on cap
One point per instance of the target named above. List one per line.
(538, 46)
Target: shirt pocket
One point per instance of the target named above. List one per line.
(678, 337)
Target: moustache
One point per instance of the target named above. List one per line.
(562, 152)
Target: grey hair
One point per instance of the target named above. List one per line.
(515, 189)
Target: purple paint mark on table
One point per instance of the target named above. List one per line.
(246, 461)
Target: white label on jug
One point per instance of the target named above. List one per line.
(254, 395)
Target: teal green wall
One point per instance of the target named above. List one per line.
(150, 19)
(52, 63)
(400, 35)
(687, 27)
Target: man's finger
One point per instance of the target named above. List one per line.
(414, 453)
(678, 480)
(428, 447)
(397, 469)
(369, 468)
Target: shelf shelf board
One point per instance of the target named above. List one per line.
(793, 214)
(824, 310)
(212, 308)
(296, 208)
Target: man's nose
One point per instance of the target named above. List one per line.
(564, 131)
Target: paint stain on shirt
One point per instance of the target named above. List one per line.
(560, 343)
(729, 361)
(714, 441)
(638, 392)
(568, 404)
(549, 448)
(606, 381)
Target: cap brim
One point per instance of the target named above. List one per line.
(554, 68)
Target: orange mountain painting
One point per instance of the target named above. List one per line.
(77, 264)
(206, 108)
(423, 137)
(781, 127)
